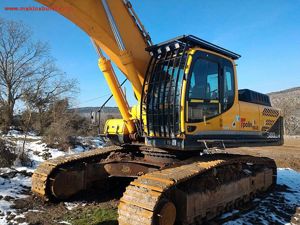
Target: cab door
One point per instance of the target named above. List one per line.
(211, 96)
(203, 97)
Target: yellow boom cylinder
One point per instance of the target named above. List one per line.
(113, 83)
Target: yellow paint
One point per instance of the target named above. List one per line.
(90, 16)
(135, 112)
(197, 100)
(139, 204)
(167, 181)
(182, 111)
(189, 61)
(111, 79)
(115, 126)
(249, 112)
(144, 213)
(155, 188)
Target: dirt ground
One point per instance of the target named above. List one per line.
(87, 209)
(286, 156)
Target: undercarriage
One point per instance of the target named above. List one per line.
(166, 188)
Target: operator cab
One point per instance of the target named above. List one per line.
(189, 81)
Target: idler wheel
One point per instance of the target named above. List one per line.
(166, 213)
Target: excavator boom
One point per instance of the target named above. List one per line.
(115, 28)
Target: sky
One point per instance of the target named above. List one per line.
(266, 34)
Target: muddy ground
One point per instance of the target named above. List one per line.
(100, 209)
(286, 156)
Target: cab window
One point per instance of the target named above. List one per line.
(204, 80)
(203, 94)
(228, 90)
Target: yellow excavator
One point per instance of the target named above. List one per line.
(188, 106)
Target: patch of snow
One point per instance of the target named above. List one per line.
(34, 210)
(291, 178)
(15, 186)
(78, 149)
(20, 216)
(225, 215)
(11, 189)
(279, 206)
(19, 134)
(13, 133)
(65, 222)
(90, 142)
(70, 206)
(97, 142)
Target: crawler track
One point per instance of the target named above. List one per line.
(44, 175)
(195, 192)
(187, 192)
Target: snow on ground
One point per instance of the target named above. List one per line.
(12, 186)
(16, 181)
(275, 208)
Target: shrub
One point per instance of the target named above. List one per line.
(7, 154)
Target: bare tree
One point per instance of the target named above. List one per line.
(50, 86)
(20, 60)
(61, 131)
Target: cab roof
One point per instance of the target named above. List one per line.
(189, 41)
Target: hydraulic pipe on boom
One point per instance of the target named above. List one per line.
(113, 83)
(126, 56)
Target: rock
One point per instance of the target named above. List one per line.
(8, 198)
(20, 220)
(10, 217)
(9, 175)
(46, 155)
(25, 173)
(1, 197)
(36, 153)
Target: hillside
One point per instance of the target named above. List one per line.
(295, 90)
(289, 102)
(86, 111)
